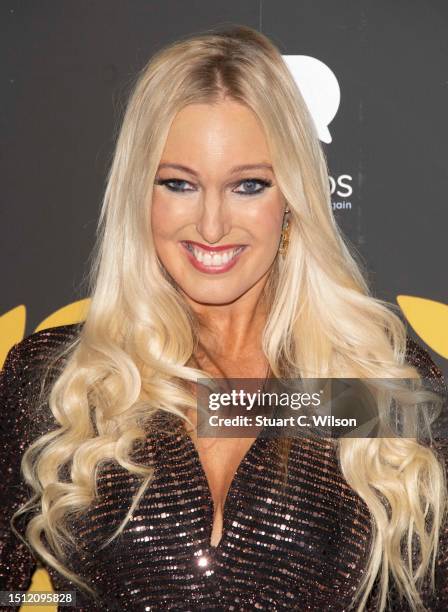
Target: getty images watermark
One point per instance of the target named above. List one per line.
(325, 407)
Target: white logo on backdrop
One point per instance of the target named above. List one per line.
(320, 90)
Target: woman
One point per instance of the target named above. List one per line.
(218, 255)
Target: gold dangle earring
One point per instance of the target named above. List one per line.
(284, 240)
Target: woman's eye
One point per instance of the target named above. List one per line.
(174, 184)
(251, 185)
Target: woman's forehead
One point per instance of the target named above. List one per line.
(216, 136)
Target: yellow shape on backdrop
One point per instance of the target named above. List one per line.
(72, 313)
(429, 320)
(40, 582)
(12, 330)
(13, 323)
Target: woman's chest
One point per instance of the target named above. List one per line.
(301, 547)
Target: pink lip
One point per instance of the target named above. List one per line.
(215, 269)
(222, 247)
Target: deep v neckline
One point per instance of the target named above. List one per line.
(227, 506)
(178, 429)
(228, 499)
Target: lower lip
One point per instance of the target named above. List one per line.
(211, 269)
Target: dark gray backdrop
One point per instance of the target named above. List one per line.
(66, 68)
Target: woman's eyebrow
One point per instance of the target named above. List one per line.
(234, 170)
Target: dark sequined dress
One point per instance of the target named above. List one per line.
(304, 550)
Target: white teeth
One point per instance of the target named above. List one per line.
(213, 259)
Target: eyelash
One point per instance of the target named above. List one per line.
(265, 184)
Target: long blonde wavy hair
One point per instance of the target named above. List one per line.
(130, 359)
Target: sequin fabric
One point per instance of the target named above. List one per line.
(305, 549)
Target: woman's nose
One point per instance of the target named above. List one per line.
(214, 220)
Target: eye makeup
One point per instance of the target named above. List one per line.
(171, 182)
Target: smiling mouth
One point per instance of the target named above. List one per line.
(213, 259)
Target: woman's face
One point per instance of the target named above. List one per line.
(216, 225)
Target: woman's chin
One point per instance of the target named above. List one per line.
(212, 298)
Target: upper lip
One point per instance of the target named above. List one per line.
(222, 247)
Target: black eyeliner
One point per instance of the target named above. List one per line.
(266, 183)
